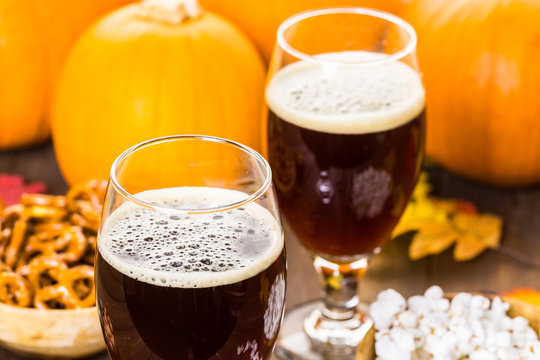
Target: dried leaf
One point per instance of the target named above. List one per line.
(431, 240)
(526, 294)
(13, 186)
(478, 233)
(440, 223)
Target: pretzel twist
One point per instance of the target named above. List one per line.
(48, 247)
(67, 242)
(14, 289)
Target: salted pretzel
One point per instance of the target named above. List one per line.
(86, 199)
(48, 247)
(66, 242)
(44, 271)
(43, 200)
(5, 235)
(13, 247)
(11, 214)
(79, 281)
(14, 289)
(74, 289)
(54, 297)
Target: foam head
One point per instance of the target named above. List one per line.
(190, 250)
(346, 99)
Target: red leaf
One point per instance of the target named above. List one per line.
(466, 206)
(13, 186)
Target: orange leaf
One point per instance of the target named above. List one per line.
(526, 294)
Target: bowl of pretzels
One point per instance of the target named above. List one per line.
(47, 293)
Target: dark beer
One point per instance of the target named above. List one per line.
(346, 147)
(190, 286)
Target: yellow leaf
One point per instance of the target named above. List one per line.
(421, 211)
(423, 187)
(439, 223)
(431, 239)
(479, 232)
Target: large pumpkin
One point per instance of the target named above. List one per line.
(480, 61)
(35, 36)
(260, 19)
(155, 68)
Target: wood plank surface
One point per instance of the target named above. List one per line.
(520, 209)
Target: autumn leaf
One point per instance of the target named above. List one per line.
(478, 233)
(440, 223)
(13, 186)
(526, 294)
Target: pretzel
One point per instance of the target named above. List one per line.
(43, 271)
(86, 199)
(83, 222)
(74, 289)
(5, 235)
(43, 200)
(45, 213)
(14, 246)
(79, 281)
(67, 242)
(11, 214)
(54, 297)
(14, 289)
(48, 247)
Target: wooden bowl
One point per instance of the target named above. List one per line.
(49, 334)
(366, 350)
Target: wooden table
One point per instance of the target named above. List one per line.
(491, 271)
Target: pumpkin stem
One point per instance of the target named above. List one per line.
(173, 12)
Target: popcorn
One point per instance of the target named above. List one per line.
(389, 303)
(430, 327)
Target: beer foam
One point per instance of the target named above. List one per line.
(349, 98)
(178, 249)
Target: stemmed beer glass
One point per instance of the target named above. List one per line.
(345, 139)
(191, 260)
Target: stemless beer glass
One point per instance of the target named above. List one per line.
(191, 260)
(345, 139)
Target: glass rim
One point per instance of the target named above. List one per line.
(263, 188)
(383, 15)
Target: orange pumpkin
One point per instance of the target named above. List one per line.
(150, 69)
(480, 64)
(35, 36)
(260, 19)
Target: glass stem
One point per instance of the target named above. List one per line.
(340, 287)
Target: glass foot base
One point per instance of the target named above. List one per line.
(294, 344)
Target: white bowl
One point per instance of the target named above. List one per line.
(50, 333)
